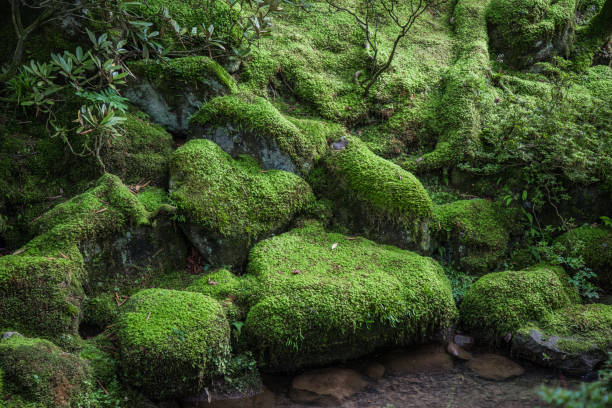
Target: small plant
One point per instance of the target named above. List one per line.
(596, 394)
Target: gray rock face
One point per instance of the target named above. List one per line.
(8, 335)
(236, 142)
(548, 351)
(168, 108)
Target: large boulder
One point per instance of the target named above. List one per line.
(229, 204)
(253, 126)
(171, 92)
(473, 234)
(39, 373)
(315, 297)
(172, 343)
(375, 196)
(502, 302)
(575, 339)
(594, 245)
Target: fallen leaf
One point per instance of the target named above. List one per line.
(296, 271)
(102, 210)
(20, 251)
(334, 246)
(212, 282)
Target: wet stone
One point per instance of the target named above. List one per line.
(326, 387)
(464, 341)
(494, 367)
(456, 351)
(375, 371)
(425, 359)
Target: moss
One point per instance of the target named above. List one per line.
(580, 328)
(48, 274)
(41, 373)
(595, 246)
(302, 141)
(524, 28)
(100, 311)
(502, 302)
(590, 37)
(234, 199)
(141, 153)
(474, 231)
(310, 304)
(172, 343)
(384, 190)
(195, 71)
(153, 198)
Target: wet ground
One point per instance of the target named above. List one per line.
(458, 387)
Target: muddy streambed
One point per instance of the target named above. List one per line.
(425, 378)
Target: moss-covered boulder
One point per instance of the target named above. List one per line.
(502, 302)
(376, 196)
(38, 372)
(172, 343)
(252, 125)
(140, 153)
(574, 339)
(173, 91)
(230, 204)
(315, 297)
(594, 245)
(473, 233)
(523, 32)
(83, 243)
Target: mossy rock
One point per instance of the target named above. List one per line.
(41, 374)
(172, 343)
(76, 244)
(594, 244)
(252, 125)
(140, 153)
(171, 92)
(574, 339)
(99, 312)
(529, 31)
(315, 297)
(229, 204)
(473, 233)
(502, 302)
(376, 196)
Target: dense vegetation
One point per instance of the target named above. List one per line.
(195, 190)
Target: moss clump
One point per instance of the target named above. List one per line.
(172, 343)
(378, 190)
(233, 200)
(580, 328)
(48, 275)
(319, 297)
(473, 231)
(100, 311)
(42, 374)
(197, 71)
(502, 302)
(141, 152)
(527, 31)
(258, 119)
(595, 246)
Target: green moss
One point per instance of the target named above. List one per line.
(141, 153)
(312, 304)
(153, 198)
(590, 37)
(455, 110)
(41, 373)
(195, 71)
(521, 28)
(303, 141)
(172, 343)
(580, 328)
(233, 198)
(103, 366)
(595, 246)
(474, 231)
(47, 276)
(502, 302)
(100, 311)
(384, 190)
